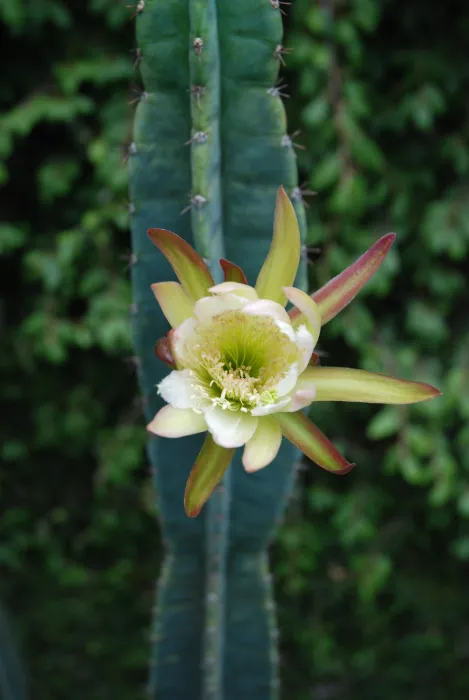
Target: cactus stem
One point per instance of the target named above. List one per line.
(215, 635)
(216, 535)
(280, 52)
(198, 46)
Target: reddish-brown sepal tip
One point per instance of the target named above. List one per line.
(163, 350)
(232, 272)
(315, 360)
(345, 470)
(191, 513)
(389, 238)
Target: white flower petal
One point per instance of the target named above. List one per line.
(243, 290)
(208, 307)
(309, 310)
(268, 408)
(265, 307)
(264, 445)
(288, 382)
(172, 422)
(177, 390)
(287, 329)
(301, 399)
(180, 337)
(305, 344)
(230, 428)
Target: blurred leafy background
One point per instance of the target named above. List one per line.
(371, 570)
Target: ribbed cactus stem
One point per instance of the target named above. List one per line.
(210, 143)
(215, 572)
(207, 227)
(204, 62)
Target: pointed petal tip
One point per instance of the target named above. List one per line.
(232, 272)
(384, 244)
(191, 510)
(149, 429)
(389, 238)
(156, 234)
(345, 470)
(432, 392)
(281, 264)
(297, 428)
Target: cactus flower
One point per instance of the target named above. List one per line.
(244, 367)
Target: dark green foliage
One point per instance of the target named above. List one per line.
(79, 545)
(375, 566)
(370, 570)
(208, 140)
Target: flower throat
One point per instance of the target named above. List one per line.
(238, 359)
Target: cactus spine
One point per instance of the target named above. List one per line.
(210, 141)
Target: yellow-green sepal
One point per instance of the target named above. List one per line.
(175, 304)
(281, 264)
(190, 269)
(342, 289)
(209, 468)
(343, 384)
(310, 440)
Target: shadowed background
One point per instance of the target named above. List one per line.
(370, 570)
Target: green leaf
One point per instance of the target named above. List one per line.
(327, 172)
(385, 423)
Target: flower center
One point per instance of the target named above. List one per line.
(238, 359)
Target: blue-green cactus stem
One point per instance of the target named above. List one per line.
(207, 228)
(209, 141)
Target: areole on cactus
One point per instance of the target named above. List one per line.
(244, 367)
